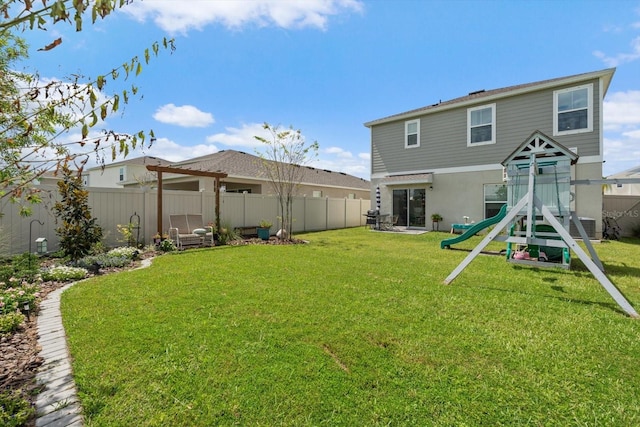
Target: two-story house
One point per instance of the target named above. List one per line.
(446, 158)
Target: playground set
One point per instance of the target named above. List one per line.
(537, 216)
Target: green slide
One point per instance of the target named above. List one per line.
(446, 243)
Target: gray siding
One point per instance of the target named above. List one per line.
(443, 135)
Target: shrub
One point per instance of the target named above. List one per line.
(25, 266)
(104, 260)
(10, 322)
(124, 251)
(78, 231)
(167, 246)
(227, 234)
(15, 298)
(63, 273)
(14, 410)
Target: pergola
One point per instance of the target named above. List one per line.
(183, 171)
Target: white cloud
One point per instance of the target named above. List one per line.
(339, 152)
(182, 16)
(185, 116)
(240, 137)
(174, 152)
(622, 131)
(620, 58)
(635, 134)
(622, 110)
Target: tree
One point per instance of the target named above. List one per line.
(78, 231)
(33, 114)
(284, 155)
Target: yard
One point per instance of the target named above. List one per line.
(356, 328)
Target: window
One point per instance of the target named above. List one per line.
(481, 125)
(412, 133)
(317, 193)
(573, 110)
(121, 175)
(495, 195)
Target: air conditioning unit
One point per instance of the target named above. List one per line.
(589, 225)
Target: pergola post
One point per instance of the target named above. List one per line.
(159, 203)
(184, 171)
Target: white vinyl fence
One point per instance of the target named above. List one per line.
(625, 210)
(112, 207)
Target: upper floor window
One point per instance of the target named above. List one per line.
(481, 125)
(573, 110)
(412, 133)
(121, 175)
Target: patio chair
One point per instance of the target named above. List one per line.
(389, 223)
(195, 222)
(180, 233)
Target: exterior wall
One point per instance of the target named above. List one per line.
(443, 135)
(588, 198)
(110, 176)
(456, 195)
(117, 206)
(466, 187)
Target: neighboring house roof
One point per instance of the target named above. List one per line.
(238, 164)
(488, 95)
(143, 160)
(629, 173)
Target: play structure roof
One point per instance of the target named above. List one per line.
(544, 146)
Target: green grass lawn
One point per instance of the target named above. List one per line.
(356, 328)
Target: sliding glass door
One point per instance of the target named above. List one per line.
(409, 205)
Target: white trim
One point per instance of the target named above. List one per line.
(460, 169)
(601, 119)
(493, 125)
(406, 133)
(589, 159)
(589, 108)
(475, 168)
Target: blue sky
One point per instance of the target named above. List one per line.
(328, 66)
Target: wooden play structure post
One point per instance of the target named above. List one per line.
(546, 197)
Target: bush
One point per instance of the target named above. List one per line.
(78, 231)
(16, 298)
(167, 246)
(103, 260)
(124, 251)
(63, 273)
(10, 322)
(25, 266)
(14, 410)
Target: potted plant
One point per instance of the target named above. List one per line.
(435, 219)
(263, 229)
(157, 238)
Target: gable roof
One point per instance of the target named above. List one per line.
(143, 160)
(629, 173)
(543, 146)
(490, 95)
(238, 164)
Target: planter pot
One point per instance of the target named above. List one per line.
(263, 233)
